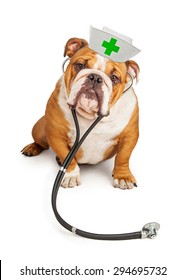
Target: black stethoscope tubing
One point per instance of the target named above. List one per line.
(60, 175)
(148, 230)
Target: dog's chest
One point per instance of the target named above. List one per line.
(100, 139)
(103, 136)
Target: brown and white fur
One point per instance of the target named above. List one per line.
(94, 85)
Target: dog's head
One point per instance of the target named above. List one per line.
(94, 83)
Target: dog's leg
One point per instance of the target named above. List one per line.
(122, 176)
(60, 146)
(72, 175)
(40, 141)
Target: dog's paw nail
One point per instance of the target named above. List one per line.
(135, 185)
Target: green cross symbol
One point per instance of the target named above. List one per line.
(110, 46)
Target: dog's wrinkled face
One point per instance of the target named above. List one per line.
(93, 82)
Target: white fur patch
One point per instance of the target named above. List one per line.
(73, 173)
(101, 63)
(71, 179)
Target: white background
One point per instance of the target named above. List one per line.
(33, 35)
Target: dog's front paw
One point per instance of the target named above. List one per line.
(123, 184)
(71, 179)
(32, 149)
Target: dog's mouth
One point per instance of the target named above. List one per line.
(87, 103)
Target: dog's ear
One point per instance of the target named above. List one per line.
(133, 69)
(73, 45)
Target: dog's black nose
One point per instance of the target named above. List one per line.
(99, 80)
(91, 77)
(96, 78)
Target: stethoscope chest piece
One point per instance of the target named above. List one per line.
(150, 230)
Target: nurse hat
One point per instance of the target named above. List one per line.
(111, 44)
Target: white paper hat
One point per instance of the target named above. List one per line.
(111, 44)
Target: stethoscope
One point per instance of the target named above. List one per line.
(148, 231)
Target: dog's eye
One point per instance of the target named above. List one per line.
(115, 80)
(79, 66)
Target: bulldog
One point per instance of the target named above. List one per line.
(93, 85)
